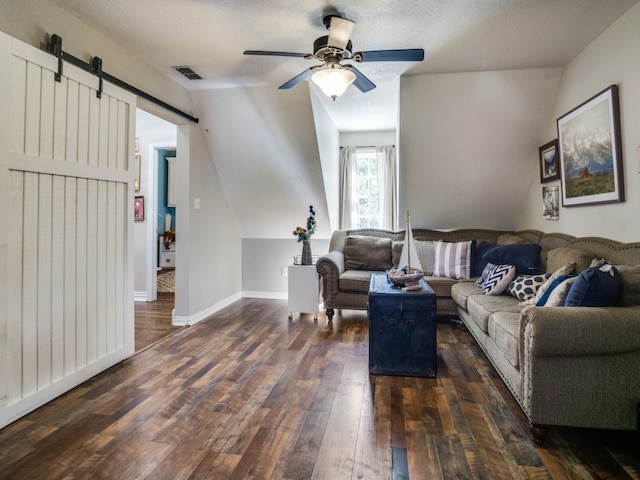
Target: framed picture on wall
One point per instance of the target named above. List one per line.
(551, 202)
(549, 167)
(138, 209)
(590, 151)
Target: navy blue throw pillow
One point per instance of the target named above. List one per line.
(595, 287)
(525, 257)
(477, 257)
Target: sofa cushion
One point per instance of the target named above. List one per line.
(480, 307)
(452, 260)
(504, 329)
(525, 257)
(509, 239)
(558, 257)
(440, 285)
(524, 287)
(461, 291)
(362, 252)
(595, 287)
(630, 280)
(498, 279)
(396, 251)
(355, 280)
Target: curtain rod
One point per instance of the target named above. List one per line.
(54, 47)
(369, 146)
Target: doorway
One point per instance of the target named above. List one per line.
(154, 307)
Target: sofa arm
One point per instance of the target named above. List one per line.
(330, 266)
(575, 331)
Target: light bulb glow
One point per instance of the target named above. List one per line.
(333, 81)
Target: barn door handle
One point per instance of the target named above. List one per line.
(410, 321)
(393, 321)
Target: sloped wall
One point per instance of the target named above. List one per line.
(610, 59)
(263, 142)
(466, 142)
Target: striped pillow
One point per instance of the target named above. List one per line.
(453, 260)
(498, 279)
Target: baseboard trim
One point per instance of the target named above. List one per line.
(139, 296)
(269, 295)
(181, 321)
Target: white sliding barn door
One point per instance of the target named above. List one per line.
(69, 285)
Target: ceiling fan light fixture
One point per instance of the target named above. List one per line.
(333, 81)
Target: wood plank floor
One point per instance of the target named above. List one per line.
(153, 320)
(250, 394)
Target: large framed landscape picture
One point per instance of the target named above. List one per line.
(590, 151)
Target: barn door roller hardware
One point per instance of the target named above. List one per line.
(54, 46)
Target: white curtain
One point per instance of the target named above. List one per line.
(348, 198)
(386, 155)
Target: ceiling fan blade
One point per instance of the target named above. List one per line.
(339, 32)
(298, 78)
(406, 55)
(361, 82)
(275, 54)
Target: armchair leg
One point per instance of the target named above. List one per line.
(537, 433)
(330, 313)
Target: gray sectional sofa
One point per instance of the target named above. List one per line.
(570, 366)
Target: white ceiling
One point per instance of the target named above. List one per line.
(457, 36)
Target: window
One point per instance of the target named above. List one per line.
(368, 213)
(368, 188)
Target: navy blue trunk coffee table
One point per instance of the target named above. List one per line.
(402, 329)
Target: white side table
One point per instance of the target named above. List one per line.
(304, 289)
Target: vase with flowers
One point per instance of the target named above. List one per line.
(304, 236)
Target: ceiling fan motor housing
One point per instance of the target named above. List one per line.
(321, 50)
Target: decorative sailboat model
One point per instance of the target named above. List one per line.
(409, 270)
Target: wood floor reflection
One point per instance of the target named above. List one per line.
(153, 320)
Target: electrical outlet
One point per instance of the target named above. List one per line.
(284, 271)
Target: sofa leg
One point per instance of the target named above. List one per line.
(330, 313)
(537, 433)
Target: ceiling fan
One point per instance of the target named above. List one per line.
(332, 76)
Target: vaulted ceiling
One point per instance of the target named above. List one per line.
(457, 36)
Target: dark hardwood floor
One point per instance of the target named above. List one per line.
(250, 394)
(153, 320)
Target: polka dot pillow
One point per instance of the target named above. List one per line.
(524, 287)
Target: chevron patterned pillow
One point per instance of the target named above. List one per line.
(498, 279)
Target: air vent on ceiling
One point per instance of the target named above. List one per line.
(187, 72)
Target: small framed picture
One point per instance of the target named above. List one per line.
(138, 209)
(549, 164)
(551, 202)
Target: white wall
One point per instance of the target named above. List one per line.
(266, 145)
(328, 138)
(466, 142)
(611, 59)
(263, 141)
(208, 243)
(372, 138)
